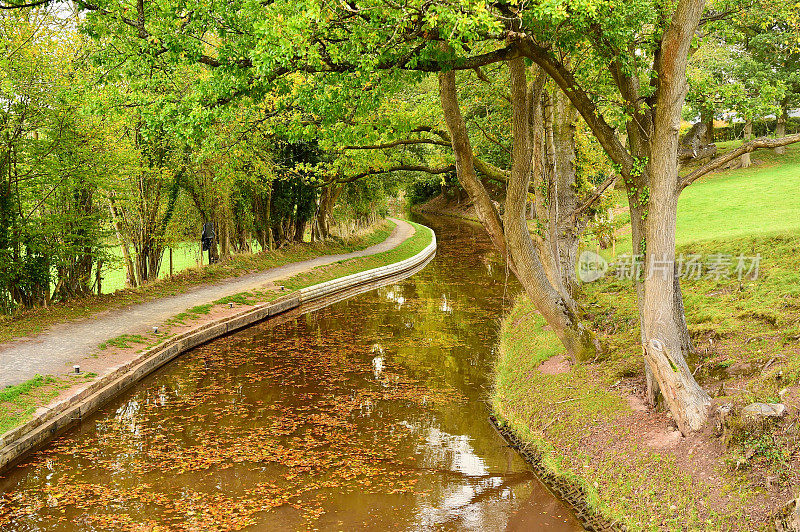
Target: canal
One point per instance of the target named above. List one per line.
(369, 414)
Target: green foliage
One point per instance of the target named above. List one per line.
(10, 393)
(747, 64)
(51, 163)
(421, 190)
(124, 341)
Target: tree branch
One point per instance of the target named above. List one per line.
(399, 142)
(597, 194)
(585, 106)
(464, 63)
(744, 148)
(489, 170)
(713, 16)
(396, 168)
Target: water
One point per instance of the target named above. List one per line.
(369, 414)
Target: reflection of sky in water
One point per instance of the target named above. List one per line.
(126, 415)
(454, 452)
(445, 306)
(377, 366)
(451, 451)
(393, 293)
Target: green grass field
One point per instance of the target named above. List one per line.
(184, 255)
(759, 200)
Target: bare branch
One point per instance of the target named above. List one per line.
(713, 16)
(597, 194)
(399, 142)
(753, 145)
(482, 76)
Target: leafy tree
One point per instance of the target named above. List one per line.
(51, 161)
(771, 38)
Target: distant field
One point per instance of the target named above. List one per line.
(184, 255)
(762, 199)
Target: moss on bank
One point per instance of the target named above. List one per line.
(588, 425)
(19, 402)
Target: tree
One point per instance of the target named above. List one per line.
(705, 75)
(750, 89)
(771, 39)
(648, 163)
(51, 161)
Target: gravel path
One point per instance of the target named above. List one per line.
(54, 351)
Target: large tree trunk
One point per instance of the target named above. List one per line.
(663, 342)
(514, 241)
(270, 241)
(568, 228)
(213, 251)
(154, 259)
(323, 212)
(748, 136)
(261, 214)
(557, 231)
(559, 313)
(333, 196)
(540, 124)
(679, 312)
(707, 117)
(300, 230)
(465, 168)
(780, 128)
(224, 240)
(637, 241)
(142, 262)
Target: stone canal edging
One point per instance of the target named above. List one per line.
(570, 493)
(50, 421)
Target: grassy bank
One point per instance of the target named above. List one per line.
(589, 423)
(33, 321)
(18, 403)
